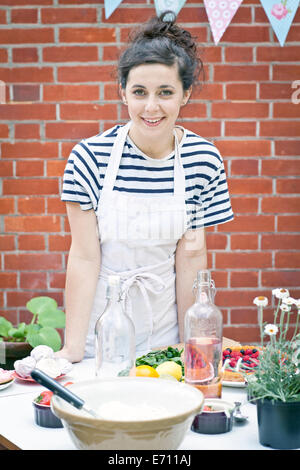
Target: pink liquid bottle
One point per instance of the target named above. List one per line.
(203, 329)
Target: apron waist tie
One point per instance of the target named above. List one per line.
(146, 282)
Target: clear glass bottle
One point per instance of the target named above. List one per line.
(203, 329)
(114, 335)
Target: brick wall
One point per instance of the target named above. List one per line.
(57, 60)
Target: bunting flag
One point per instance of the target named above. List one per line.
(220, 14)
(164, 5)
(111, 6)
(281, 15)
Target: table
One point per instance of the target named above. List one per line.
(18, 430)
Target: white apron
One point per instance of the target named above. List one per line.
(138, 236)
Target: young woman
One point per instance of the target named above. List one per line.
(139, 197)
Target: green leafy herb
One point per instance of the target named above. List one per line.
(154, 358)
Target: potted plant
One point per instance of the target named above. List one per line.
(275, 385)
(16, 342)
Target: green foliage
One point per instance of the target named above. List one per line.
(277, 376)
(42, 329)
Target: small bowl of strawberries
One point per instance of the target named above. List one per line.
(43, 415)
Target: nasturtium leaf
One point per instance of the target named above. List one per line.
(46, 335)
(54, 318)
(38, 305)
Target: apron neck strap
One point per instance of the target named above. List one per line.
(116, 155)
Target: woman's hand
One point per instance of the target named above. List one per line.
(70, 356)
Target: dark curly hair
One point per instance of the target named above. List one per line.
(162, 41)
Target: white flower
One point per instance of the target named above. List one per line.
(261, 301)
(271, 329)
(288, 301)
(280, 293)
(285, 308)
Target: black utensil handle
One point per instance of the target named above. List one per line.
(63, 392)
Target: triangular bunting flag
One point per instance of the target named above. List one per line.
(281, 15)
(111, 6)
(220, 14)
(164, 5)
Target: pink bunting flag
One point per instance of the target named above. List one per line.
(220, 14)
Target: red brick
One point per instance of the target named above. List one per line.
(27, 112)
(59, 242)
(33, 280)
(287, 147)
(286, 110)
(56, 167)
(91, 73)
(8, 280)
(243, 260)
(31, 205)
(70, 130)
(26, 36)
(22, 15)
(7, 243)
(30, 186)
(253, 33)
(289, 223)
(6, 168)
(246, 316)
(27, 75)
(25, 54)
(3, 19)
(280, 278)
(30, 149)
(129, 15)
(3, 55)
(27, 131)
(238, 54)
(70, 54)
(193, 110)
(240, 110)
(88, 112)
(280, 128)
(18, 298)
(240, 128)
(244, 279)
(7, 206)
(111, 92)
(244, 167)
(208, 91)
(216, 241)
(56, 206)
(31, 242)
(241, 91)
(220, 278)
(277, 167)
(29, 168)
(277, 53)
(57, 280)
(244, 148)
(59, 93)
(87, 35)
(249, 223)
(275, 91)
(68, 15)
(235, 297)
(243, 335)
(243, 242)
(250, 186)
(206, 129)
(242, 205)
(281, 204)
(240, 73)
(286, 259)
(32, 224)
(280, 242)
(4, 131)
(26, 92)
(32, 261)
(287, 186)
(286, 72)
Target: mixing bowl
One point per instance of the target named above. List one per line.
(162, 411)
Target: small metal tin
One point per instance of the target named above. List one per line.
(43, 416)
(214, 422)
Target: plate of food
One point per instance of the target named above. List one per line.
(6, 378)
(238, 363)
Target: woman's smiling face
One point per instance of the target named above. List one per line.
(154, 95)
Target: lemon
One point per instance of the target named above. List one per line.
(170, 368)
(167, 377)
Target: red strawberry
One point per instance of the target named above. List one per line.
(246, 358)
(232, 363)
(256, 354)
(248, 352)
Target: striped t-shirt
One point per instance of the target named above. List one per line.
(138, 174)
